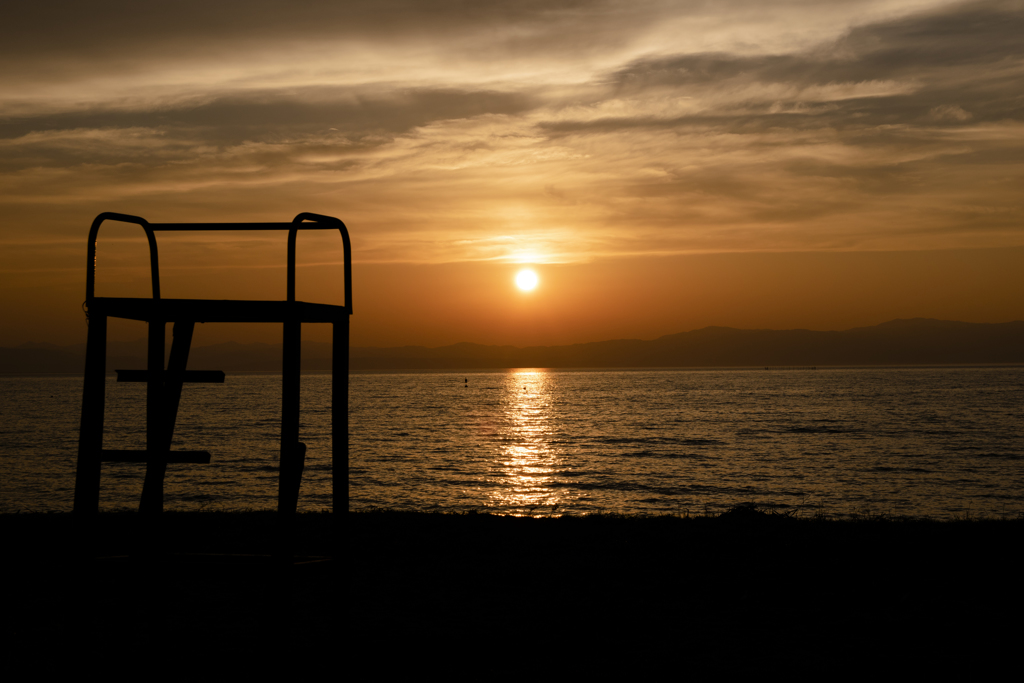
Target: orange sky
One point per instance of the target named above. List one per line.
(664, 165)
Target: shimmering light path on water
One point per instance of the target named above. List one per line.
(926, 441)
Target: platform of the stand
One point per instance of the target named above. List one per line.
(216, 310)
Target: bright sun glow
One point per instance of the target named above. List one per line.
(526, 280)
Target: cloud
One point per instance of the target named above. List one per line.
(269, 115)
(569, 130)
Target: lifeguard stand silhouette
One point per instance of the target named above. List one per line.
(163, 386)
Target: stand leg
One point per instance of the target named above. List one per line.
(90, 435)
(291, 459)
(153, 488)
(339, 415)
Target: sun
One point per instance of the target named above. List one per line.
(526, 280)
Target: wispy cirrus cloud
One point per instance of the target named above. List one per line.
(572, 131)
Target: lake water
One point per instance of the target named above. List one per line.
(936, 442)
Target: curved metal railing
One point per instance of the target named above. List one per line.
(303, 221)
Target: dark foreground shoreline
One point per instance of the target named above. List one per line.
(744, 590)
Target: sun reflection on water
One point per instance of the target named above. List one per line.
(529, 468)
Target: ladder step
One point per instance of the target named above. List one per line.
(189, 376)
(192, 457)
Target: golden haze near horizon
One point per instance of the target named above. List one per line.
(661, 166)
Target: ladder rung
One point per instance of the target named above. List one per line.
(190, 376)
(193, 457)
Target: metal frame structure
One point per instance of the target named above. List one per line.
(163, 386)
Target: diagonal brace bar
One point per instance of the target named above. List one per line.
(163, 397)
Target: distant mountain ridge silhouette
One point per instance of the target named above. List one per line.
(917, 341)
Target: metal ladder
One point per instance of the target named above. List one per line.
(164, 385)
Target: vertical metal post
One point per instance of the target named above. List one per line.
(339, 415)
(153, 488)
(90, 435)
(291, 457)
